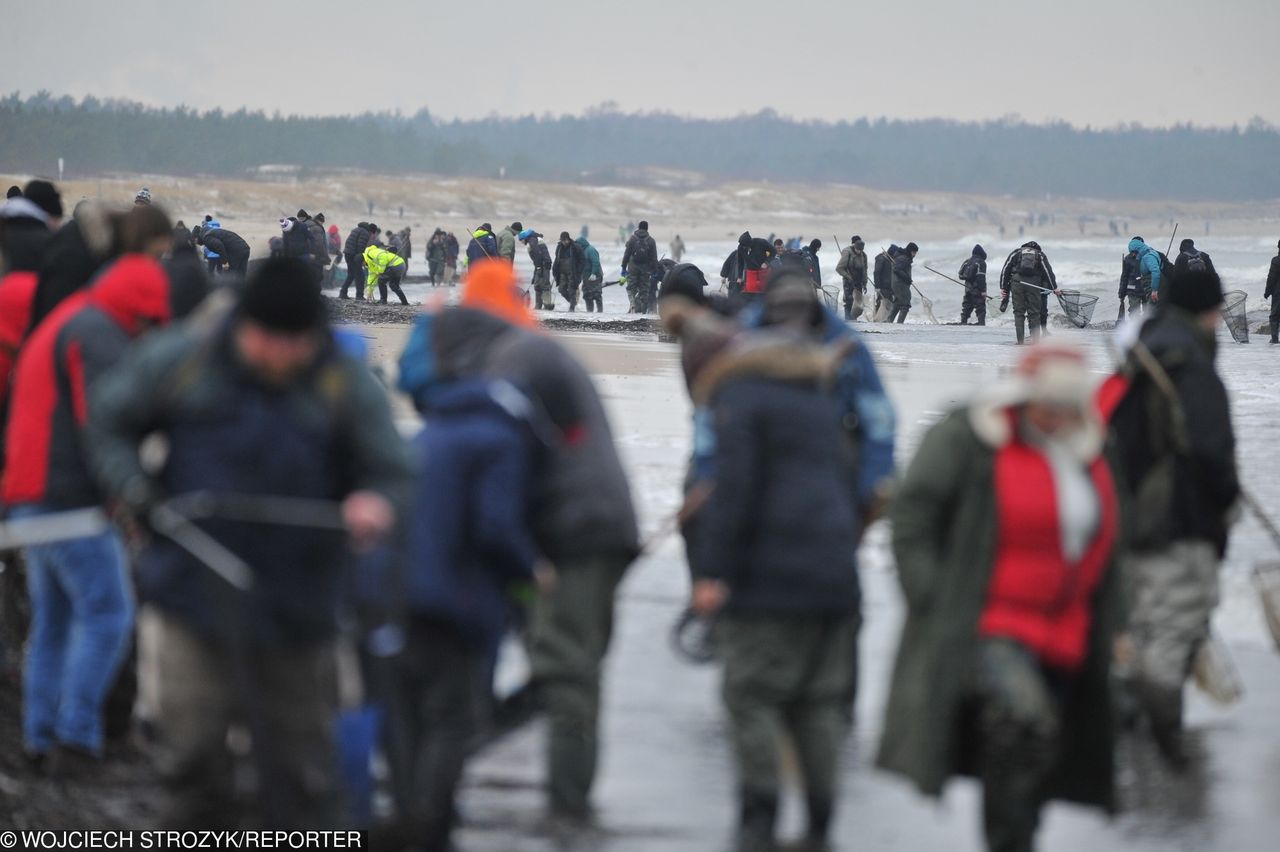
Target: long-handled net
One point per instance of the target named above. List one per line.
(1077, 306)
(1233, 313)
(830, 295)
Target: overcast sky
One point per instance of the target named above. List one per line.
(1095, 62)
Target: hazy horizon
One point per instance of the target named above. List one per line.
(1091, 64)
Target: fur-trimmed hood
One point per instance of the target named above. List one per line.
(769, 355)
(992, 414)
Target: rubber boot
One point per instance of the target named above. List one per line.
(343, 294)
(1020, 328)
(1275, 332)
(1163, 706)
(756, 824)
(902, 315)
(848, 313)
(820, 809)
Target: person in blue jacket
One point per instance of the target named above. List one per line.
(468, 551)
(1150, 266)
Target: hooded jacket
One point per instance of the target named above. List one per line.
(946, 537)
(483, 245)
(470, 539)
(582, 507)
(591, 267)
(882, 275)
(1150, 266)
(378, 260)
(1177, 458)
(781, 525)
(974, 271)
(68, 353)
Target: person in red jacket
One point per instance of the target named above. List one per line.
(81, 601)
(1004, 534)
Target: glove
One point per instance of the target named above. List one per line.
(1004, 302)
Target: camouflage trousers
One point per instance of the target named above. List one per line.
(1174, 593)
(1019, 719)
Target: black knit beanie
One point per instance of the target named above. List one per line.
(1193, 291)
(282, 296)
(42, 194)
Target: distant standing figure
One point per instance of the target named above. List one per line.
(902, 283)
(852, 269)
(677, 249)
(974, 275)
(1273, 293)
(1027, 269)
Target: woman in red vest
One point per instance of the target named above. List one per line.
(1005, 535)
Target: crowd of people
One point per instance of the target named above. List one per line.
(286, 524)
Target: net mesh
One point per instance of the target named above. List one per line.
(830, 295)
(1233, 313)
(1077, 306)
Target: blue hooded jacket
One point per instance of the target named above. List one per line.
(470, 541)
(1148, 262)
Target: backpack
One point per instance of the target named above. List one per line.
(645, 254)
(1166, 268)
(1195, 262)
(967, 271)
(796, 260)
(1028, 261)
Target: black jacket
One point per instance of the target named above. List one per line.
(570, 261)
(226, 244)
(357, 241)
(25, 240)
(882, 274)
(72, 257)
(974, 273)
(902, 268)
(734, 265)
(640, 239)
(1200, 486)
(1043, 276)
(1273, 278)
(1130, 276)
(780, 528)
(318, 242)
(1183, 263)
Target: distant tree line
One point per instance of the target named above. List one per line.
(995, 157)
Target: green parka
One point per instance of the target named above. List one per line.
(944, 540)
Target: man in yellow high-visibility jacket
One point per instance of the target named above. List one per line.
(385, 268)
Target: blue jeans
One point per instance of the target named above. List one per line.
(81, 623)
